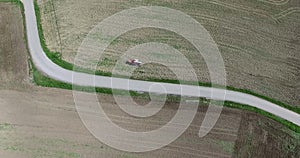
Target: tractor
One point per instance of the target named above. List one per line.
(134, 62)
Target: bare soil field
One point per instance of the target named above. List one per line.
(259, 138)
(259, 40)
(14, 67)
(42, 122)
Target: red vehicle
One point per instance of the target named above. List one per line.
(134, 62)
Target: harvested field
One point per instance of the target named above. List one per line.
(42, 122)
(36, 127)
(14, 67)
(259, 40)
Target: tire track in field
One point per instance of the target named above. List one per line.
(255, 12)
(251, 11)
(275, 2)
(216, 130)
(69, 33)
(194, 152)
(287, 12)
(239, 8)
(57, 27)
(242, 28)
(237, 48)
(53, 20)
(122, 119)
(293, 64)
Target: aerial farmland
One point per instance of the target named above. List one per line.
(259, 41)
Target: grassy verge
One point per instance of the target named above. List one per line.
(17, 2)
(284, 122)
(42, 80)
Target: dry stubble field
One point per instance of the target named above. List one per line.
(258, 40)
(42, 122)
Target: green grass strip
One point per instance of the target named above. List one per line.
(18, 2)
(284, 122)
